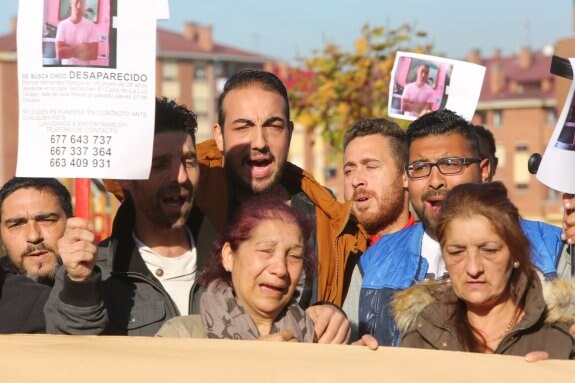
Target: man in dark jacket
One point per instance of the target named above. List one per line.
(21, 304)
(146, 272)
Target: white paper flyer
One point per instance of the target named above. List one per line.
(86, 88)
(421, 84)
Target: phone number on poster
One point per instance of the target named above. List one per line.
(79, 163)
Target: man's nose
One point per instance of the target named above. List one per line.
(436, 180)
(181, 174)
(259, 138)
(33, 232)
(358, 179)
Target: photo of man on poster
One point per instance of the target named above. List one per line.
(76, 37)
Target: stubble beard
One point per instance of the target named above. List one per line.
(390, 208)
(155, 214)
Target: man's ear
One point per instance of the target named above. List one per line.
(290, 127)
(227, 257)
(218, 133)
(404, 180)
(485, 167)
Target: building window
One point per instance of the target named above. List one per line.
(521, 175)
(497, 118)
(170, 83)
(330, 172)
(200, 72)
(218, 69)
(480, 117)
(170, 71)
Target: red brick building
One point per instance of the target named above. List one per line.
(518, 105)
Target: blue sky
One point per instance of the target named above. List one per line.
(296, 27)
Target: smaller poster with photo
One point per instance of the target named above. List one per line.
(421, 84)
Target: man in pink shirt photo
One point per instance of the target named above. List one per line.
(76, 37)
(417, 97)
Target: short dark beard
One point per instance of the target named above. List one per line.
(46, 279)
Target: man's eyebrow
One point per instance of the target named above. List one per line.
(15, 220)
(349, 163)
(245, 121)
(369, 160)
(273, 119)
(419, 160)
(44, 216)
(362, 161)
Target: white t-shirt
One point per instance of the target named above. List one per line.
(177, 275)
(74, 34)
(412, 92)
(431, 251)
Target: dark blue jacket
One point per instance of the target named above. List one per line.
(395, 263)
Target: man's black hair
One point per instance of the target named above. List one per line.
(250, 77)
(47, 185)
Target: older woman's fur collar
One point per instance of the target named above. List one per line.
(408, 304)
(560, 300)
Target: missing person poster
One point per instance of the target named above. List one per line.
(421, 84)
(86, 73)
(555, 168)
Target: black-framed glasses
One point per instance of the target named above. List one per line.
(446, 166)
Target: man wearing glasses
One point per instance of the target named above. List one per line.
(443, 153)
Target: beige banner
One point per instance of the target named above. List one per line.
(52, 358)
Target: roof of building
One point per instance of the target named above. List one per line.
(517, 82)
(174, 43)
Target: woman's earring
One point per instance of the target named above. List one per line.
(516, 264)
(227, 269)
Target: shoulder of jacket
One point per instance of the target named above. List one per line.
(539, 228)
(208, 152)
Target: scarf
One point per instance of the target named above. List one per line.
(224, 318)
